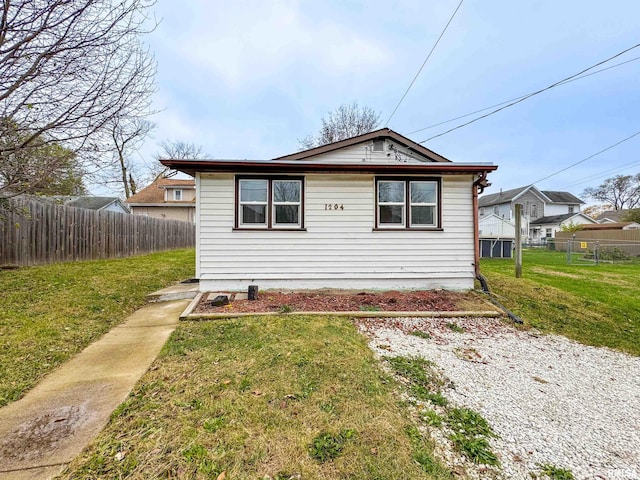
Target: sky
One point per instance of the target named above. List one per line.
(248, 79)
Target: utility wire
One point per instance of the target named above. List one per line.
(588, 158)
(521, 96)
(602, 174)
(423, 63)
(564, 80)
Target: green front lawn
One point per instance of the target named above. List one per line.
(51, 312)
(280, 397)
(595, 305)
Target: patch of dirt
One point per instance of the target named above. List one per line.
(42, 434)
(547, 271)
(331, 301)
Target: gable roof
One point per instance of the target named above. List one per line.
(154, 193)
(485, 218)
(94, 203)
(612, 226)
(562, 197)
(557, 219)
(612, 215)
(502, 197)
(381, 133)
(509, 196)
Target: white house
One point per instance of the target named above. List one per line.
(546, 227)
(493, 226)
(543, 212)
(167, 198)
(376, 211)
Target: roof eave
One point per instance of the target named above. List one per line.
(273, 167)
(383, 132)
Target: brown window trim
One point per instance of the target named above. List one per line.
(269, 213)
(407, 204)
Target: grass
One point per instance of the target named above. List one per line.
(469, 430)
(595, 305)
(262, 397)
(470, 435)
(51, 312)
(555, 473)
(423, 380)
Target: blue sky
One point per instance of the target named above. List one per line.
(247, 79)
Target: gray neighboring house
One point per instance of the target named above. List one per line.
(108, 204)
(612, 216)
(544, 212)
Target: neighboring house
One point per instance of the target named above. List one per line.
(612, 216)
(538, 209)
(493, 226)
(613, 226)
(168, 198)
(497, 236)
(108, 204)
(376, 211)
(541, 229)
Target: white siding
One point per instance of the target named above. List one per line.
(363, 152)
(557, 209)
(495, 227)
(339, 247)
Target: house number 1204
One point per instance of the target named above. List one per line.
(333, 206)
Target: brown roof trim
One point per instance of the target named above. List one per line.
(383, 132)
(272, 167)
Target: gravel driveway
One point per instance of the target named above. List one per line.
(550, 400)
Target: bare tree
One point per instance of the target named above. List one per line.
(127, 135)
(68, 67)
(175, 150)
(621, 191)
(345, 122)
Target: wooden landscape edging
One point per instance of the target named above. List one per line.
(359, 314)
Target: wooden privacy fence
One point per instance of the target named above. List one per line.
(34, 233)
(625, 241)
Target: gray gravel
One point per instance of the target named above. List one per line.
(550, 400)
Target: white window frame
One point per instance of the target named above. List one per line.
(402, 204)
(407, 204)
(241, 204)
(423, 204)
(274, 223)
(270, 206)
(177, 195)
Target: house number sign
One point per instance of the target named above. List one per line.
(333, 206)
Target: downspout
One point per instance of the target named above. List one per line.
(478, 187)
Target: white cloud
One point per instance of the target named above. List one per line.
(240, 42)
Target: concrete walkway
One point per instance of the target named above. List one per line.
(41, 433)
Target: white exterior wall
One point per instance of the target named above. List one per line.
(559, 209)
(339, 248)
(363, 153)
(495, 227)
(115, 207)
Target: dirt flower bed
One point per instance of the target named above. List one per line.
(284, 302)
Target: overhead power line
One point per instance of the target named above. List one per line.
(423, 63)
(587, 158)
(537, 92)
(521, 96)
(603, 174)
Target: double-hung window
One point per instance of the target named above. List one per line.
(407, 203)
(270, 203)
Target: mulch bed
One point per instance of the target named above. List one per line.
(421, 300)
